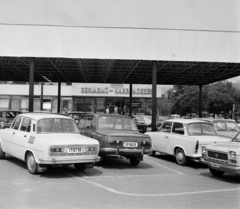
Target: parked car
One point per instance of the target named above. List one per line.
(224, 127)
(222, 158)
(76, 115)
(184, 139)
(141, 125)
(42, 139)
(117, 135)
(7, 117)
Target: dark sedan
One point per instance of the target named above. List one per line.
(117, 135)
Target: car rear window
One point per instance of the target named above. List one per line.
(57, 125)
(116, 123)
(198, 129)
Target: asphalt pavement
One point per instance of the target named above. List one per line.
(157, 182)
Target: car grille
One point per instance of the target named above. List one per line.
(218, 155)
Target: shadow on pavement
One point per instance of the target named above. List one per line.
(227, 177)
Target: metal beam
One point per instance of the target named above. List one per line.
(133, 68)
(31, 85)
(54, 65)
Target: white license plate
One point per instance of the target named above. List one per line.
(130, 144)
(75, 150)
(215, 165)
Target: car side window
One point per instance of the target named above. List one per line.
(94, 123)
(26, 125)
(82, 122)
(88, 123)
(178, 128)
(166, 127)
(70, 115)
(17, 123)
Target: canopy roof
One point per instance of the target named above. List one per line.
(116, 71)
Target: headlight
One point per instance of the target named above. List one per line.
(232, 154)
(204, 150)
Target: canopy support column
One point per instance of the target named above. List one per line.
(200, 101)
(41, 101)
(130, 99)
(59, 97)
(154, 93)
(31, 85)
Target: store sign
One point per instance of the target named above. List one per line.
(94, 90)
(135, 91)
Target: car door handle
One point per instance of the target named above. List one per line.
(166, 137)
(25, 135)
(13, 132)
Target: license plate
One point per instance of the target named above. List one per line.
(130, 144)
(215, 165)
(75, 150)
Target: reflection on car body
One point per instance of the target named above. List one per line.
(184, 139)
(117, 135)
(42, 139)
(222, 158)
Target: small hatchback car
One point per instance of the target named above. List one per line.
(222, 158)
(117, 135)
(42, 139)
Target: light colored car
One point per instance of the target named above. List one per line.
(184, 139)
(224, 157)
(117, 135)
(42, 139)
(223, 127)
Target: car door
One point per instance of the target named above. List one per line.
(12, 134)
(88, 127)
(21, 138)
(81, 124)
(162, 142)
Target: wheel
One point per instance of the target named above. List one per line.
(180, 157)
(2, 154)
(134, 161)
(152, 153)
(80, 166)
(31, 163)
(215, 172)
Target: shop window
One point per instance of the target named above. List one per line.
(66, 106)
(24, 105)
(4, 104)
(15, 104)
(100, 105)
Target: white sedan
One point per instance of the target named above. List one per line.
(184, 139)
(42, 139)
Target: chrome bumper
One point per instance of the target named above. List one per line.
(61, 160)
(119, 151)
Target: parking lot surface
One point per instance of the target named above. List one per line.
(157, 182)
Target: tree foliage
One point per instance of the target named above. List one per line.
(216, 98)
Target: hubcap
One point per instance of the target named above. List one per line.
(179, 156)
(31, 163)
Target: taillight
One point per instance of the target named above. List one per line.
(196, 148)
(57, 149)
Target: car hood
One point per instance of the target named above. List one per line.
(225, 147)
(66, 139)
(121, 133)
(204, 140)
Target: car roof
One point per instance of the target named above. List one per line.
(74, 112)
(40, 115)
(215, 119)
(108, 115)
(10, 111)
(186, 121)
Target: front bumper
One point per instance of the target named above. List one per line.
(120, 151)
(226, 167)
(67, 160)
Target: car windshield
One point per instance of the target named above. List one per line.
(198, 129)
(57, 125)
(225, 126)
(236, 138)
(108, 122)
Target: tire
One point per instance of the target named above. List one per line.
(80, 166)
(134, 161)
(216, 172)
(180, 157)
(152, 153)
(31, 164)
(2, 154)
